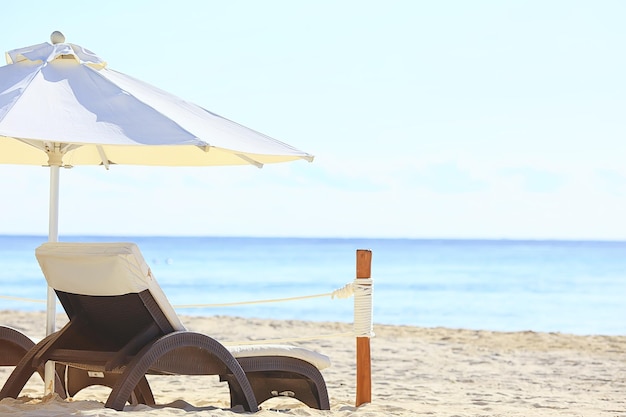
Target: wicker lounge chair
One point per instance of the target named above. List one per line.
(122, 328)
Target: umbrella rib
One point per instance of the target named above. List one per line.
(34, 143)
(250, 160)
(103, 157)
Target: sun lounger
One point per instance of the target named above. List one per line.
(122, 327)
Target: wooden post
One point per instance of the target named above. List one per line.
(363, 358)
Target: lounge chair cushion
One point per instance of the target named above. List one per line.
(251, 351)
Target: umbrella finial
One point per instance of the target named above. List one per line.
(57, 37)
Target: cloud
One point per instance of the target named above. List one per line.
(534, 180)
(445, 178)
(610, 181)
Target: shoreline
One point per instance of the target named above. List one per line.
(415, 371)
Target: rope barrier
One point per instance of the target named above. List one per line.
(274, 300)
(183, 306)
(26, 300)
(361, 289)
(291, 339)
(344, 292)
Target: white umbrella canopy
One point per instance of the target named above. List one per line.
(61, 106)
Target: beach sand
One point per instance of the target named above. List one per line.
(415, 371)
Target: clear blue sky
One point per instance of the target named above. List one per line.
(444, 119)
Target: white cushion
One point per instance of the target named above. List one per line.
(250, 351)
(101, 269)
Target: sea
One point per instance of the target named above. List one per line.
(576, 287)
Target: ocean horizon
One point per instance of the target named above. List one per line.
(568, 286)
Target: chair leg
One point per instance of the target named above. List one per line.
(148, 356)
(272, 376)
(268, 385)
(143, 393)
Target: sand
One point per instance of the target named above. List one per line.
(416, 372)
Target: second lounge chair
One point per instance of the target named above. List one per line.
(13, 346)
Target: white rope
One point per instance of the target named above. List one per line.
(289, 340)
(363, 311)
(361, 288)
(237, 303)
(344, 292)
(26, 300)
(209, 305)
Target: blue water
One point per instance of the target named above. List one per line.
(563, 286)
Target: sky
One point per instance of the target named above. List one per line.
(427, 119)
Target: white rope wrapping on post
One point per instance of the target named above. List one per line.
(362, 289)
(344, 292)
(363, 311)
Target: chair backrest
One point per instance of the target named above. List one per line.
(101, 269)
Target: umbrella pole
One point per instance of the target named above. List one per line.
(53, 236)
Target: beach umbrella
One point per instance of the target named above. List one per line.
(61, 106)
